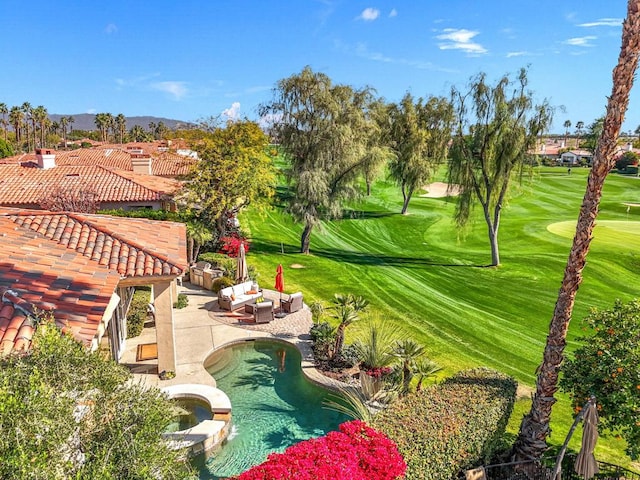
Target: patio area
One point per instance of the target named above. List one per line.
(202, 327)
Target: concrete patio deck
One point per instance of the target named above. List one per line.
(202, 327)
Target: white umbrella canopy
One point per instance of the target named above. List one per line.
(586, 464)
(241, 268)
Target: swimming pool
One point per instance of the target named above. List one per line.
(274, 405)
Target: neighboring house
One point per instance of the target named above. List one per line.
(576, 157)
(83, 269)
(26, 184)
(152, 159)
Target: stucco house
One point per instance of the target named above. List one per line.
(83, 269)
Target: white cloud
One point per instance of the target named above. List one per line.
(362, 51)
(393, 13)
(233, 112)
(369, 14)
(580, 41)
(176, 89)
(603, 22)
(91, 110)
(516, 54)
(460, 39)
(111, 28)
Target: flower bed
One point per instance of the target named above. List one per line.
(356, 452)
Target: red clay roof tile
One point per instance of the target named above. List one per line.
(45, 261)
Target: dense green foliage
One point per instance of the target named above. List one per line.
(6, 150)
(417, 273)
(451, 426)
(234, 170)
(606, 365)
(181, 302)
(418, 133)
(138, 311)
(68, 413)
(222, 282)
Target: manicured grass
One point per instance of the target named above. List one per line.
(419, 271)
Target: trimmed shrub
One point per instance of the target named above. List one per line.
(138, 312)
(182, 301)
(451, 426)
(217, 260)
(356, 452)
(220, 283)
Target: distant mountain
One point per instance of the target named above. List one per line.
(86, 121)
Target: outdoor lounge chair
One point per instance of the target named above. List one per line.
(263, 312)
(293, 303)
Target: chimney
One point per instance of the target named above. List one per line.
(141, 163)
(562, 144)
(629, 147)
(46, 158)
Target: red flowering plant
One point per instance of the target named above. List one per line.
(378, 372)
(356, 452)
(231, 245)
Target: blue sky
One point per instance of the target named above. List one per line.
(190, 59)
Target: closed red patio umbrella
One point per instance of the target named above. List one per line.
(279, 284)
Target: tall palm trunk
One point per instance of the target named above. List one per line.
(531, 442)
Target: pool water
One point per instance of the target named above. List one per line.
(274, 405)
(192, 411)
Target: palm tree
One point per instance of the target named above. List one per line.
(5, 124)
(64, 121)
(137, 133)
(16, 118)
(579, 132)
(374, 349)
(408, 351)
(534, 429)
(40, 117)
(567, 126)
(121, 125)
(347, 310)
(425, 368)
(197, 235)
(26, 109)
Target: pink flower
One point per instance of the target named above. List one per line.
(355, 452)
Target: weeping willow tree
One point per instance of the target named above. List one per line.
(322, 128)
(497, 127)
(418, 132)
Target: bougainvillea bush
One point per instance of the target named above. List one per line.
(231, 245)
(356, 452)
(451, 426)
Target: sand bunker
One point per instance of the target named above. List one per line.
(439, 190)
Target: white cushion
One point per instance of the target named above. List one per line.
(238, 289)
(295, 295)
(227, 291)
(264, 304)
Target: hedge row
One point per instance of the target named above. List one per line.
(451, 426)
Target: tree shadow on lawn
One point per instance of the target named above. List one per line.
(356, 258)
(349, 214)
(366, 258)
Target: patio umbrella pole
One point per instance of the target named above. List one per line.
(560, 457)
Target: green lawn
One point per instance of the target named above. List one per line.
(420, 272)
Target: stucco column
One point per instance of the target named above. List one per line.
(174, 290)
(165, 335)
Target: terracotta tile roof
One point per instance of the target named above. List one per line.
(106, 157)
(163, 163)
(72, 263)
(26, 184)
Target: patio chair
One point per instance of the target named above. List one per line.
(293, 303)
(263, 312)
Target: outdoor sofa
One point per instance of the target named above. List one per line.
(231, 298)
